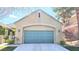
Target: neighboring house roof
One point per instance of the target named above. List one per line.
(10, 26)
(2, 24)
(37, 11)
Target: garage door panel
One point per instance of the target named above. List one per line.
(38, 37)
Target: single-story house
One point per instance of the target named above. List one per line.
(6, 31)
(38, 27)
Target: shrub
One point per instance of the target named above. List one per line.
(62, 42)
(10, 41)
(2, 30)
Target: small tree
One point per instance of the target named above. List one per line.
(2, 30)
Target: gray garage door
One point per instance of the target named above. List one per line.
(38, 37)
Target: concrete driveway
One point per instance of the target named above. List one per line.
(40, 47)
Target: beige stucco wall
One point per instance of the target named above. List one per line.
(33, 22)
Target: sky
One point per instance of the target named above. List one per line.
(15, 14)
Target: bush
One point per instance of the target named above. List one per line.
(10, 41)
(62, 42)
(2, 30)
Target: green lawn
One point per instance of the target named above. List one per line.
(71, 48)
(8, 48)
(1, 47)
